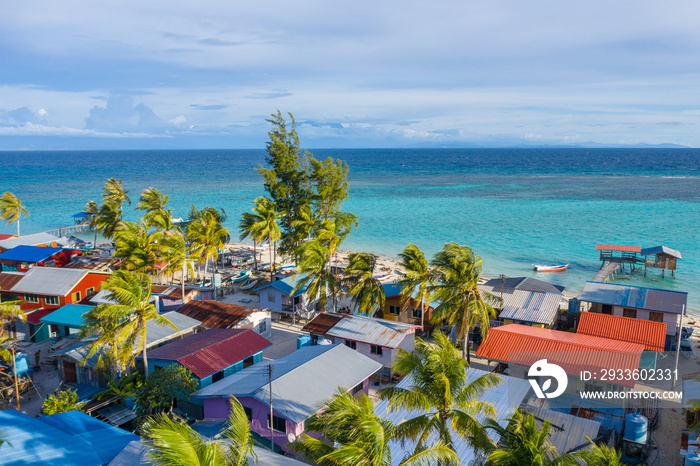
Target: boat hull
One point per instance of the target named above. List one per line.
(550, 268)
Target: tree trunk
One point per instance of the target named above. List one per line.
(422, 313)
(18, 224)
(269, 243)
(145, 356)
(255, 254)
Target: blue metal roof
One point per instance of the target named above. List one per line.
(25, 253)
(81, 215)
(661, 250)
(67, 438)
(285, 286)
(70, 315)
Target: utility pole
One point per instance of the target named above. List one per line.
(678, 348)
(14, 365)
(272, 432)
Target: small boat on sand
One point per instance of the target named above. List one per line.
(249, 285)
(686, 349)
(242, 275)
(549, 268)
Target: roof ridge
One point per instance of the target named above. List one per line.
(569, 342)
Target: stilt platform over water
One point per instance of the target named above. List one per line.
(69, 230)
(607, 270)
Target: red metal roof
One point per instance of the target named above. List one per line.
(3, 236)
(619, 248)
(8, 280)
(33, 318)
(650, 334)
(322, 323)
(523, 345)
(210, 351)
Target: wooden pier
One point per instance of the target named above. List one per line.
(607, 270)
(70, 230)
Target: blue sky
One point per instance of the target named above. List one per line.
(116, 74)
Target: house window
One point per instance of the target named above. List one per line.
(607, 309)
(278, 424)
(357, 388)
(75, 297)
(262, 326)
(248, 413)
(90, 292)
(270, 297)
(53, 330)
(416, 313)
(589, 387)
(51, 301)
(350, 344)
(396, 310)
(31, 298)
(217, 376)
(374, 349)
(656, 316)
(248, 362)
(629, 313)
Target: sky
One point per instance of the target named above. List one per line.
(156, 74)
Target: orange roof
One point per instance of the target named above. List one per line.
(574, 352)
(650, 334)
(613, 247)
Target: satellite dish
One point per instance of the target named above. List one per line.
(291, 437)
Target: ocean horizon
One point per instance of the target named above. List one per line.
(513, 207)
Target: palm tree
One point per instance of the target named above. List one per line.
(441, 391)
(359, 437)
(154, 203)
(418, 279)
(8, 355)
(11, 209)
(208, 236)
(121, 328)
(109, 219)
(93, 216)
(302, 229)
(3, 438)
(173, 443)
(600, 455)
(10, 310)
(114, 193)
(367, 292)
(523, 442)
(315, 275)
(462, 304)
(267, 225)
(248, 227)
(139, 249)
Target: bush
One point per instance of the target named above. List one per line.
(163, 388)
(66, 400)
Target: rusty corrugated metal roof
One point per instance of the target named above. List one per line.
(650, 334)
(617, 247)
(171, 292)
(322, 323)
(386, 333)
(9, 279)
(210, 351)
(214, 314)
(524, 345)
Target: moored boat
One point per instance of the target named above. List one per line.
(249, 285)
(243, 275)
(549, 268)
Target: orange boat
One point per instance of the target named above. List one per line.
(549, 268)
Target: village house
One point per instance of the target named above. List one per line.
(377, 339)
(637, 302)
(67, 320)
(277, 297)
(21, 258)
(170, 296)
(215, 314)
(45, 289)
(37, 239)
(301, 382)
(525, 300)
(394, 308)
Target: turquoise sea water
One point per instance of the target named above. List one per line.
(513, 207)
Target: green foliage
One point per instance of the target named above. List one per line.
(66, 400)
(600, 455)
(174, 443)
(154, 203)
(329, 182)
(357, 436)
(523, 442)
(6, 354)
(442, 392)
(127, 386)
(165, 386)
(11, 209)
(207, 234)
(263, 225)
(367, 292)
(3, 438)
(418, 279)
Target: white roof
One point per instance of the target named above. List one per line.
(505, 397)
(28, 240)
(639, 297)
(303, 381)
(386, 333)
(49, 281)
(531, 307)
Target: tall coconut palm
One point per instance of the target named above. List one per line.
(92, 212)
(114, 193)
(418, 280)
(11, 209)
(441, 391)
(154, 203)
(140, 249)
(367, 291)
(208, 236)
(120, 328)
(249, 228)
(109, 219)
(303, 229)
(462, 304)
(315, 275)
(268, 225)
(359, 437)
(523, 442)
(176, 444)
(600, 455)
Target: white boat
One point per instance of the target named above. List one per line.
(549, 268)
(243, 275)
(249, 285)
